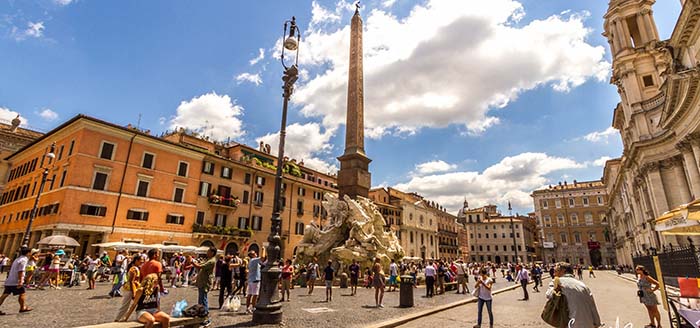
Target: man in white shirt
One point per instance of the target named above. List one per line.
(522, 278)
(14, 284)
(393, 273)
(430, 274)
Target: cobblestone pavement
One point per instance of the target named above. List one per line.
(75, 306)
(615, 298)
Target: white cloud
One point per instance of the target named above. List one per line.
(434, 167)
(601, 136)
(7, 115)
(248, 77)
(388, 3)
(600, 161)
(211, 115)
(512, 179)
(48, 115)
(305, 142)
(261, 56)
(33, 30)
(62, 2)
(322, 15)
(447, 62)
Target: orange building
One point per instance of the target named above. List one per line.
(113, 183)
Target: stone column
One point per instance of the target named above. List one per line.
(3, 240)
(621, 36)
(626, 35)
(682, 183)
(615, 41)
(654, 32)
(90, 248)
(643, 28)
(656, 187)
(691, 168)
(695, 146)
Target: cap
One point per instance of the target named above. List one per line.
(60, 252)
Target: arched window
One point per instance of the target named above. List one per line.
(410, 236)
(421, 220)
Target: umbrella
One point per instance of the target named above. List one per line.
(59, 240)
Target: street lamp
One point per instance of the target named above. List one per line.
(51, 155)
(269, 310)
(512, 232)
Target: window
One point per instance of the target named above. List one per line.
(488, 248)
(100, 181)
(140, 215)
(410, 237)
(557, 203)
(258, 200)
(547, 221)
(53, 179)
(544, 203)
(577, 238)
(200, 218)
(220, 220)
(175, 219)
(246, 195)
(182, 169)
(585, 201)
(588, 217)
(574, 219)
(560, 220)
(247, 178)
(300, 207)
(242, 223)
(107, 150)
(571, 202)
(563, 238)
(208, 168)
(648, 81)
(298, 228)
(550, 237)
(260, 181)
(70, 148)
(147, 161)
(142, 188)
(591, 236)
(257, 223)
(204, 189)
(600, 200)
(178, 194)
(301, 191)
(60, 153)
(226, 172)
(63, 179)
(495, 236)
(93, 210)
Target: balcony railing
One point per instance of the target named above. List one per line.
(224, 201)
(219, 230)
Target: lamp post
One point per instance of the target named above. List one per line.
(268, 310)
(512, 231)
(51, 154)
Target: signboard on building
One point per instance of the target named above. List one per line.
(548, 244)
(593, 245)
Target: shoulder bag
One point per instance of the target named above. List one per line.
(556, 310)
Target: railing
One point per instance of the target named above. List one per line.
(675, 262)
(224, 201)
(219, 230)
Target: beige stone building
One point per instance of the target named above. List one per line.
(492, 239)
(418, 229)
(12, 138)
(658, 118)
(574, 225)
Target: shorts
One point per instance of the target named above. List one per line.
(90, 274)
(139, 313)
(462, 279)
(54, 270)
(329, 283)
(392, 280)
(286, 284)
(254, 288)
(14, 290)
(353, 280)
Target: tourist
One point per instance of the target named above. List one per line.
(286, 276)
(354, 269)
(119, 269)
(462, 276)
(312, 273)
(226, 282)
(242, 276)
(153, 265)
(133, 277)
(253, 281)
(92, 265)
(537, 277)
(14, 284)
(430, 274)
(220, 262)
(147, 303)
(578, 297)
(591, 274)
(368, 278)
(45, 266)
(205, 277)
(414, 274)
(174, 270)
(484, 284)
(106, 263)
(441, 270)
(393, 273)
(647, 296)
(378, 282)
(328, 274)
(523, 277)
(186, 270)
(55, 269)
(31, 267)
(4, 260)
(579, 272)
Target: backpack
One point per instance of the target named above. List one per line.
(196, 311)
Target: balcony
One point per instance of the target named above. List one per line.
(219, 230)
(231, 202)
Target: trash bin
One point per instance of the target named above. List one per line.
(406, 292)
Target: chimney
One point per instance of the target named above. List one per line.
(565, 182)
(15, 123)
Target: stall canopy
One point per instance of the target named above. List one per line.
(59, 240)
(161, 247)
(683, 220)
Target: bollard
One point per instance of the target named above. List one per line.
(343, 280)
(406, 292)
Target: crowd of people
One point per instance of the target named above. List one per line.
(141, 278)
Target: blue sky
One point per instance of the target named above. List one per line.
(479, 99)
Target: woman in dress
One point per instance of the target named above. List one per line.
(92, 266)
(133, 282)
(147, 303)
(55, 270)
(647, 296)
(378, 282)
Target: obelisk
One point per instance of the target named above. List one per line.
(354, 178)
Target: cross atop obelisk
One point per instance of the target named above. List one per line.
(354, 178)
